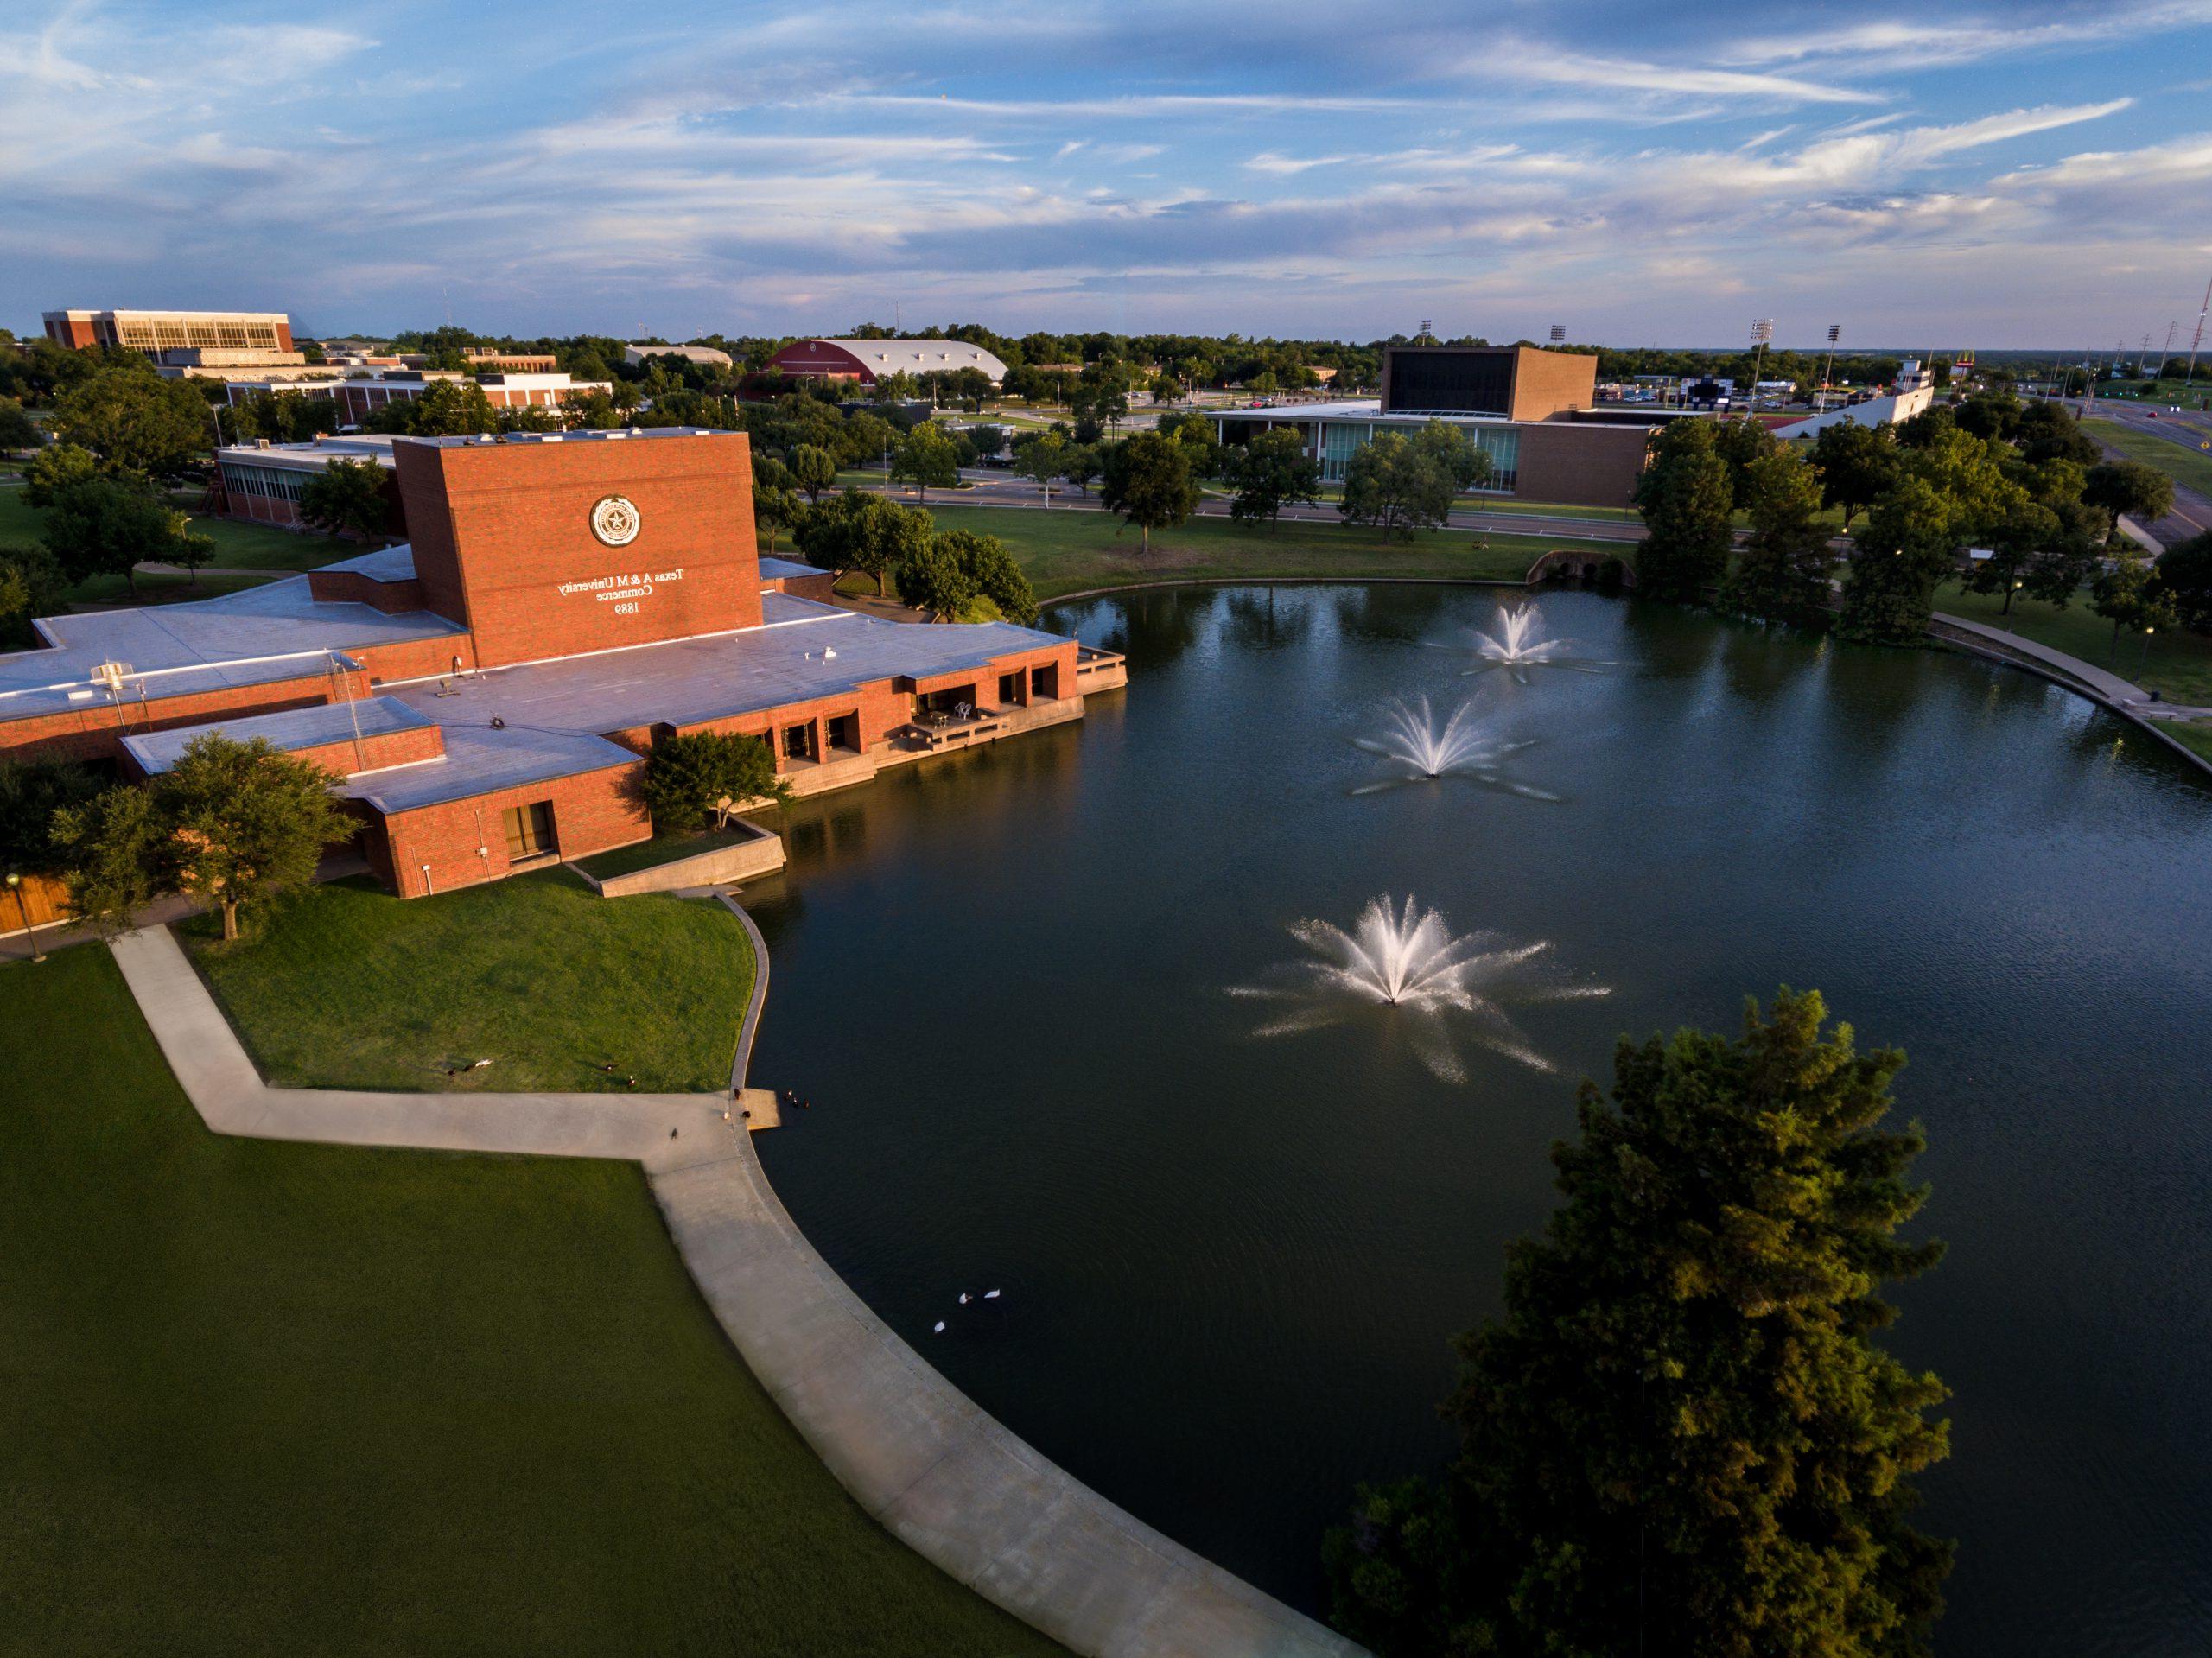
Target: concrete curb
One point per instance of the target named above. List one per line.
(921, 1457)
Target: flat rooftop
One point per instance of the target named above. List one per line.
(552, 713)
(290, 729)
(253, 637)
(618, 434)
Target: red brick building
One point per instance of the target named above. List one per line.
(866, 361)
(483, 697)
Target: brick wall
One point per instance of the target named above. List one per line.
(1548, 382)
(1581, 465)
(351, 587)
(822, 588)
(591, 813)
(500, 528)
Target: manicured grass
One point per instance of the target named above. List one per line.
(2177, 664)
(350, 988)
(267, 1398)
(237, 546)
(2184, 464)
(164, 587)
(2196, 735)
(661, 848)
(1066, 550)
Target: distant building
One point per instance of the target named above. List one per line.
(358, 392)
(1912, 393)
(869, 361)
(261, 481)
(705, 354)
(518, 362)
(155, 332)
(1531, 411)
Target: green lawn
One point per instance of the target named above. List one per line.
(350, 988)
(265, 1397)
(2184, 465)
(2196, 735)
(162, 587)
(2177, 664)
(1067, 550)
(661, 848)
(237, 546)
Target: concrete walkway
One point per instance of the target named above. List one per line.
(2110, 686)
(916, 1454)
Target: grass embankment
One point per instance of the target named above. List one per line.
(2183, 463)
(2196, 735)
(2176, 665)
(1066, 551)
(350, 988)
(661, 848)
(258, 1397)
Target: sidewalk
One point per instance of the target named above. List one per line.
(922, 1460)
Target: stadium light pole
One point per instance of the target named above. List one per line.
(1828, 370)
(1762, 333)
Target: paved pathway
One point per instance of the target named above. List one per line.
(939, 1473)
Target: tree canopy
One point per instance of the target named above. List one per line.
(1148, 482)
(1682, 1437)
(860, 532)
(347, 498)
(135, 420)
(925, 458)
(1782, 573)
(109, 525)
(695, 778)
(955, 567)
(1269, 472)
(1687, 503)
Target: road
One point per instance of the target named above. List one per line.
(2190, 429)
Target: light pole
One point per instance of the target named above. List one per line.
(2143, 661)
(1762, 333)
(23, 909)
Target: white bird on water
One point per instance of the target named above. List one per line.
(990, 1295)
(938, 1328)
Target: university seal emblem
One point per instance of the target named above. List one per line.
(614, 520)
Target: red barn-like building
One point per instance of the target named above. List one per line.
(866, 361)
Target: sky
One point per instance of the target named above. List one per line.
(1925, 174)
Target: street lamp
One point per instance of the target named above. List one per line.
(23, 909)
(2141, 662)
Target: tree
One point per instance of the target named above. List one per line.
(2142, 493)
(693, 777)
(2129, 595)
(1147, 481)
(108, 527)
(936, 579)
(1688, 514)
(31, 586)
(1681, 1436)
(1739, 443)
(243, 823)
(1905, 550)
(112, 851)
(1856, 464)
(813, 470)
(776, 505)
(1080, 463)
(923, 458)
(2047, 432)
(17, 430)
(2185, 579)
(1038, 457)
(988, 439)
(48, 474)
(347, 498)
(957, 567)
(1100, 396)
(444, 408)
(859, 532)
(1782, 572)
(32, 793)
(1196, 434)
(1988, 415)
(1270, 472)
(135, 420)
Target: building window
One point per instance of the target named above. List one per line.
(844, 732)
(529, 830)
(1010, 687)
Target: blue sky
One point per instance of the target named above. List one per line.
(1925, 174)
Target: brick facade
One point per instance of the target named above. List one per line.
(96, 731)
(592, 813)
(1549, 383)
(501, 529)
(1581, 465)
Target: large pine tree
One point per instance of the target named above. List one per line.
(1681, 1436)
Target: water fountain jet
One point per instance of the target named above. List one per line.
(1413, 738)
